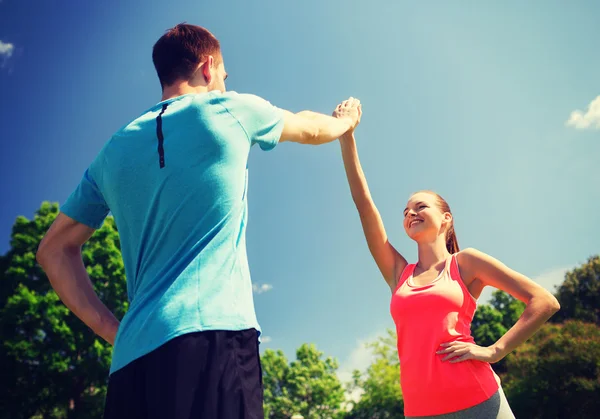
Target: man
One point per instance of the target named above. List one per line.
(175, 181)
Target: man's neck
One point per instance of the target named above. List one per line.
(181, 89)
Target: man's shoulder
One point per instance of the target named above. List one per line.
(232, 99)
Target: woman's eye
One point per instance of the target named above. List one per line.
(422, 206)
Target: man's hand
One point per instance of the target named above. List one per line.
(351, 110)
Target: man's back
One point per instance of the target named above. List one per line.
(181, 217)
(175, 180)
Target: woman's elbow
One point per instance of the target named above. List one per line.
(554, 304)
(551, 303)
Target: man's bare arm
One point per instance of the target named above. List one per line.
(315, 128)
(59, 254)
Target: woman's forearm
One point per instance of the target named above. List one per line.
(354, 172)
(539, 309)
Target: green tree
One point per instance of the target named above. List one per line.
(277, 400)
(487, 325)
(510, 308)
(556, 374)
(492, 320)
(53, 365)
(309, 385)
(380, 385)
(579, 294)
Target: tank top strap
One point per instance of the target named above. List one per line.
(453, 268)
(405, 274)
(456, 277)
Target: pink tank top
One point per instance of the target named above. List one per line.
(427, 316)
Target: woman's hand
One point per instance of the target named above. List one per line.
(351, 110)
(461, 351)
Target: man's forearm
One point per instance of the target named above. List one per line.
(328, 127)
(69, 278)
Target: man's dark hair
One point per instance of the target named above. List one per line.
(177, 53)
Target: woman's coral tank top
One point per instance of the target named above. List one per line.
(427, 316)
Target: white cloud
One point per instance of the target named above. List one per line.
(265, 339)
(6, 49)
(260, 288)
(589, 119)
(359, 359)
(553, 278)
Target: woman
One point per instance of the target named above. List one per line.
(444, 374)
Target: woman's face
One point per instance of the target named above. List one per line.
(423, 220)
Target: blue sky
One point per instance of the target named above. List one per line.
(470, 100)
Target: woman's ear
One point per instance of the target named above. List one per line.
(448, 218)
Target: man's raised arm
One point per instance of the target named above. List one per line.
(315, 128)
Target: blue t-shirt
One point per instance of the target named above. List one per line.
(182, 226)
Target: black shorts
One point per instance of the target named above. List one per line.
(208, 375)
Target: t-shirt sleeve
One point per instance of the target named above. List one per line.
(262, 121)
(86, 204)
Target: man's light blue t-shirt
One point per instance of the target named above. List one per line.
(182, 226)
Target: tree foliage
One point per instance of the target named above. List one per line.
(579, 294)
(380, 385)
(53, 365)
(556, 374)
(308, 386)
(492, 320)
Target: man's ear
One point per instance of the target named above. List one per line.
(206, 68)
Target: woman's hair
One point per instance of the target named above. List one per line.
(451, 240)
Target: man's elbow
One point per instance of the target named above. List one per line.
(41, 256)
(312, 134)
(47, 251)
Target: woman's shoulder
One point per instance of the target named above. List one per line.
(469, 260)
(470, 255)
